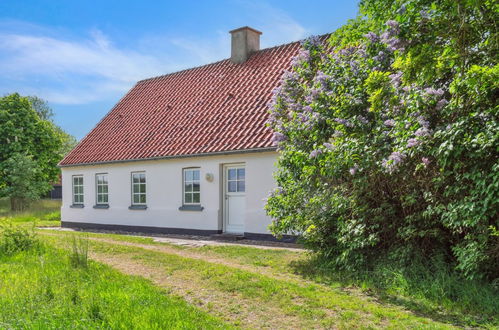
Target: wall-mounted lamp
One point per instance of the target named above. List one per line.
(209, 177)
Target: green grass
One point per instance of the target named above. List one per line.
(40, 290)
(430, 290)
(309, 301)
(44, 212)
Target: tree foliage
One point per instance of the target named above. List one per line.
(388, 135)
(30, 149)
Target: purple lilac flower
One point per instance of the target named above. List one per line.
(423, 131)
(440, 104)
(363, 119)
(425, 161)
(412, 143)
(373, 37)
(315, 153)
(307, 108)
(389, 123)
(337, 133)
(278, 137)
(406, 88)
(322, 78)
(433, 91)
(312, 41)
(393, 24)
(396, 157)
(354, 169)
(328, 145)
(393, 161)
(396, 78)
(424, 14)
(303, 56)
(423, 122)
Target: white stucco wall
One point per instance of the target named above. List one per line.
(164, 192)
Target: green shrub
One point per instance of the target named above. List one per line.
(15, 239)
(389, 136)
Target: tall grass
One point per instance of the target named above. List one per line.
(43, 212)
(38, 290)
(427, 286)
(79, 252)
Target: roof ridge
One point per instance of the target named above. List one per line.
(225, 59)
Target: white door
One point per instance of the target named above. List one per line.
(234, 198)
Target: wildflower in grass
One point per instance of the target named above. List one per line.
(425, 161)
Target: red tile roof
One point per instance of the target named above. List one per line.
(218, 107)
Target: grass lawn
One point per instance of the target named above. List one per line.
(41, 290)
(217, 286)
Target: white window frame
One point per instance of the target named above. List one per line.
(237, 180)
(97, 184)
(191, 181)
(79, 193)
(140, 183)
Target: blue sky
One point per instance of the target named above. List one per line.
(82, 56)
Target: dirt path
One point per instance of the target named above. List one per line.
(233, 308)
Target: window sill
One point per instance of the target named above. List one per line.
(137, 207)
(101, 206)
(76, 206)
(198, 208)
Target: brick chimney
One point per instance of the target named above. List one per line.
(245, 41)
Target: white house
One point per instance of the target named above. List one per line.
(187, 152)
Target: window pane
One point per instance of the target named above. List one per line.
(195, 197)
(232, 186)
(188, 198)
(240, 173)
(99, 199)
(143, 199)
(99, 189)
(196, 186)
(105, 199)
(136, 187)
(142, 178)
(135, 178)
(104, 189)
(240, 186)
(143, 188)
(188, 187)
(136, 199)
(195, 175)
(232, 174)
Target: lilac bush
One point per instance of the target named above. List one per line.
(384, 153)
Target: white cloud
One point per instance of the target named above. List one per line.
(73, 71)
(63, 69)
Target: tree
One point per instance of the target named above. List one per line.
(45, 112)
(23, 132)
(389, 137)
(22, 181)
